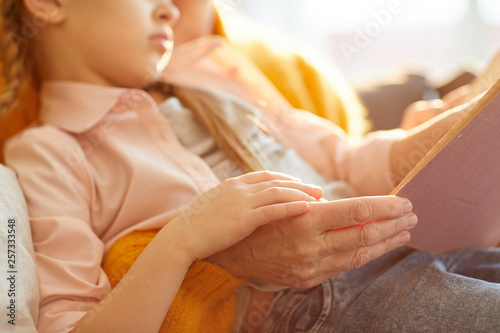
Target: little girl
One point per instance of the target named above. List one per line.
(113, 152)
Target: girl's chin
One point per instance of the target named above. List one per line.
(153, 74)
(164, 60)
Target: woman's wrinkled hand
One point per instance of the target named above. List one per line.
(330, 238)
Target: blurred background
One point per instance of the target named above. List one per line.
(372, 35)
(373, 39)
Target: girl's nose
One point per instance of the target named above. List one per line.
(166, 11)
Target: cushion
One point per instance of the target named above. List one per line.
(18, 283)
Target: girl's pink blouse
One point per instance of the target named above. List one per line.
(103, 161)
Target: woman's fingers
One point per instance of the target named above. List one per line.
(343, 249)
(421, 111)
(351, 239)
(350, 212)
(361, 256)
(266, 214)
(315, 270)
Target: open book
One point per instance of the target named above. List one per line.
(455, 189)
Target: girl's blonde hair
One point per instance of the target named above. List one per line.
(19, 81)
(21, 85)
(205, 110)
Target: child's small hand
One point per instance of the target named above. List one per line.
(231, 211)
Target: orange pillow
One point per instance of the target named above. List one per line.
(18, 118)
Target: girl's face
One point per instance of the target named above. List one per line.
(123, 43)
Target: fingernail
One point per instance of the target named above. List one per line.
(407, 207)
(314, 186)
(404, 238)
(311, 198)
(411, 221)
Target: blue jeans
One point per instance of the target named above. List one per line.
(404, 291)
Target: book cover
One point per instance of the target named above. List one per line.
(455, 189)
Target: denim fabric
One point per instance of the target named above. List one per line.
(403, 291)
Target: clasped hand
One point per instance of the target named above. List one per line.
(272, 227)
(330, 238)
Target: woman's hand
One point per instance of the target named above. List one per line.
(332, 237)
(231, 211)
(419, 112)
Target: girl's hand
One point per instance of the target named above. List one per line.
(231, 211)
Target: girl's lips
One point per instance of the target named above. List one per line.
(163, 41)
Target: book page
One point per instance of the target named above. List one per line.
(455, 190)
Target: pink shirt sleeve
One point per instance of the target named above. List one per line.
(68, 252)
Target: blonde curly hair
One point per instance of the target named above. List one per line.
(18, 81)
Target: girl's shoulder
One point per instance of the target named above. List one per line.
(38, 134)
(41, 142)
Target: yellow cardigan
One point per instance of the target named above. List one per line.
(319, 88)
(205, 301)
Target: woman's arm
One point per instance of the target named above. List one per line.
(421, 111)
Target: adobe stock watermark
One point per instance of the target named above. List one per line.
(380, 19)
